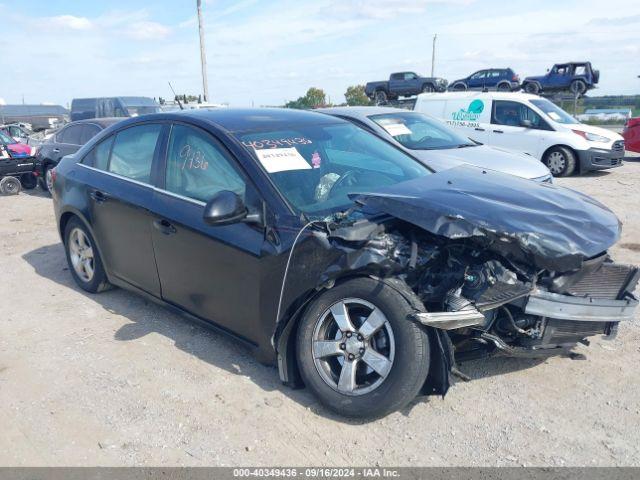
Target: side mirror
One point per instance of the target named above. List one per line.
(224, 208)
(526, 123)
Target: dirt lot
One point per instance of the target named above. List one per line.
(113, 380)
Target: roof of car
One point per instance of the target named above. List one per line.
(361, 112)
(474, 94)
(242, 119)
(103, 122)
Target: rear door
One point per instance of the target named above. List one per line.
(67, 142)
(507, 128)
(212, 272)
(120, 194)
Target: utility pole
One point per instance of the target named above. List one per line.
(433, 54)
(203, 56)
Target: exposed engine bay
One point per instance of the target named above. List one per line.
(486, 302)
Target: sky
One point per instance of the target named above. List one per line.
(268, 52)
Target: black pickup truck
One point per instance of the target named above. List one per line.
(403, 84)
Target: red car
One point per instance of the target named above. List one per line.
(17, 150)
(631, 135)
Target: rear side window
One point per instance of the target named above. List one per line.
(133, 151)
(70, 135)
(98, 157)
(198, 167)
(88, 132)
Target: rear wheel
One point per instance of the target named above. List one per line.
(358, 352)
(578, 87)
(504, 87)
(83, 258)
(560, 161)
(380, 97)
(10, 186)
(532, 88)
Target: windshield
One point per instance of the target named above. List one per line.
(315, 167)
(419, 132)
(554, 112)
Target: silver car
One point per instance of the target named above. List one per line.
(436, 145)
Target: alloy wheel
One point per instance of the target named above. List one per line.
(353, 347)
(81, 254)
(556, 163)
(48, 178)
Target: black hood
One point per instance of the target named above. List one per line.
(549, 226)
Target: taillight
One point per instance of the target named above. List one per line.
(515, 78)
(54, 175)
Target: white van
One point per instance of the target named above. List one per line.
(529, 124)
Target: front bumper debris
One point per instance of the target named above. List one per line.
(586, 309)
(450, 320)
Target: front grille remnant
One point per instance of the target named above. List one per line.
(610, 281)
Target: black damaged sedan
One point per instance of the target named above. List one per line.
(361, 273)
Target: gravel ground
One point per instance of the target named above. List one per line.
(112, 380)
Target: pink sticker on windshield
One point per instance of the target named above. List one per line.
(316, 161)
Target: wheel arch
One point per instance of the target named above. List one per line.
(441, 349)
(560, 145)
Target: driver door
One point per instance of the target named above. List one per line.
(213, 272)
(507, 131)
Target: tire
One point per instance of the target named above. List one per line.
(77, 240)
(459, 87)
(29, 181)
(403, 344)
(504, 87)
(427, 88)
(561, 161)
(45, 181)
(10, 186)
(532, 88)
(380, 97)
(578, 87)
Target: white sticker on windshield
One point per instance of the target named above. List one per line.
(554, 116)
(395, 129)
(282, 159)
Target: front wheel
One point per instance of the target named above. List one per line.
(560, 161)
(532, 88)
(359, 353)
(427, 88)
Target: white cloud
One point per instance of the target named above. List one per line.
(66, 22)
(147, 30)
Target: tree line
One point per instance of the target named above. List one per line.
(317, 98)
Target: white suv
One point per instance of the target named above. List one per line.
(529, 124)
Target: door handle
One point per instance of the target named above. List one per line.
(99, 196)
(56, 150)
(163, 226)
(498, 131)
(479, 129)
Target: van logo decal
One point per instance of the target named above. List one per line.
(468, 117)
(471, 114)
